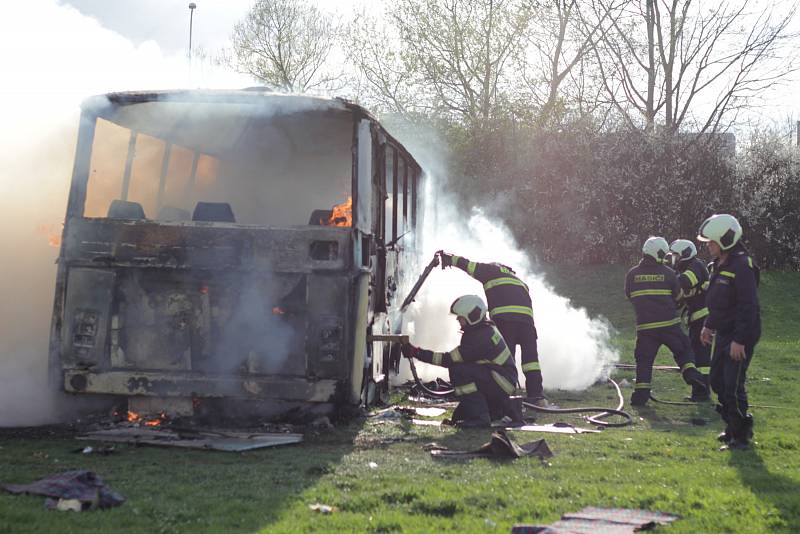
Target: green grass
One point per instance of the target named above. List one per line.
(665, 462)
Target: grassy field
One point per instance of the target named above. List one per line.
(666, 462)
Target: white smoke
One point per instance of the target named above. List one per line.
(53, 57)
(574, 349)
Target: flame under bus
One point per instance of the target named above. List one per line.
(236, 245)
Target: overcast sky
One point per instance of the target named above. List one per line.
(167, 21)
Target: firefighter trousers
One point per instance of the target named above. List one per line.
(702, 353)
(727, 380)
(524, 334)
(483, 392)
(702, 358)
(647, 344)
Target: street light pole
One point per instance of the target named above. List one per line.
(192, 7)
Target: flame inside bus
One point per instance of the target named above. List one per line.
(341, 214)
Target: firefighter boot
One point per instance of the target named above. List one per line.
(533, 386)
(741, 430)
(472, 411)
(748, 426)
(640, 396)
(696, 379)
(700, 394)
(726, 436)
(512, 413)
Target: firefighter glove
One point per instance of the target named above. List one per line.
(447, 259)
(409, 350)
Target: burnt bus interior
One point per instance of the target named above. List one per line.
(230, 245)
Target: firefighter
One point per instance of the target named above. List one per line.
(733, 324)
(511, 310)
(652, 288)
(481, 368)
(693, 279)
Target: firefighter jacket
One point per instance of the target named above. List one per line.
(652, 288)
(481, 344)
(732, 298)
(693, 279)
(507, 296)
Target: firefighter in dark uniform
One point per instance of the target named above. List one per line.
(481, 368)
(511, 310)
(733, 325)
(652, 288)
(693, 279)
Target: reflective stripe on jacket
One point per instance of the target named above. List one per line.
(693, 279)
(652, 289)
(508, 297)
(481, 343)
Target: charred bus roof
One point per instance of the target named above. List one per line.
(256, 102)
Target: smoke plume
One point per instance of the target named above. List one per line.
(574, 349)
(53, 57)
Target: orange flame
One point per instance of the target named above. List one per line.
(342, 214)
(134, 417)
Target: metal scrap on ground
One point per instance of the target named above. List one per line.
(551, 428)
(438, 402)
(400, 412)
(195, 439)
(555, 429)
(427, 422)
(600, 520)
(429, 412)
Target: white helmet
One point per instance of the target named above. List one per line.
(656, 248)
(470, 307)
(684, 249)
(722, 229)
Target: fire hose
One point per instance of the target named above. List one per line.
(595, 419)
(438, 394)
(658, 368)
(681, 403)
(421, 280)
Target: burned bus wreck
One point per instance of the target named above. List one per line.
(232, 245)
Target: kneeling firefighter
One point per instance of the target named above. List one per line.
(511, 310)
(652, 288)
(693, 278)
(733, 325)
(481, 368)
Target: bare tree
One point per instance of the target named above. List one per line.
(374, 48)
(448, 58)
(285, 44)
(677, 62)
(460, 50)
(560, 42)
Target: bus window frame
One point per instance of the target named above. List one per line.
(130, 157)
(395, 157)
(81, 171)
